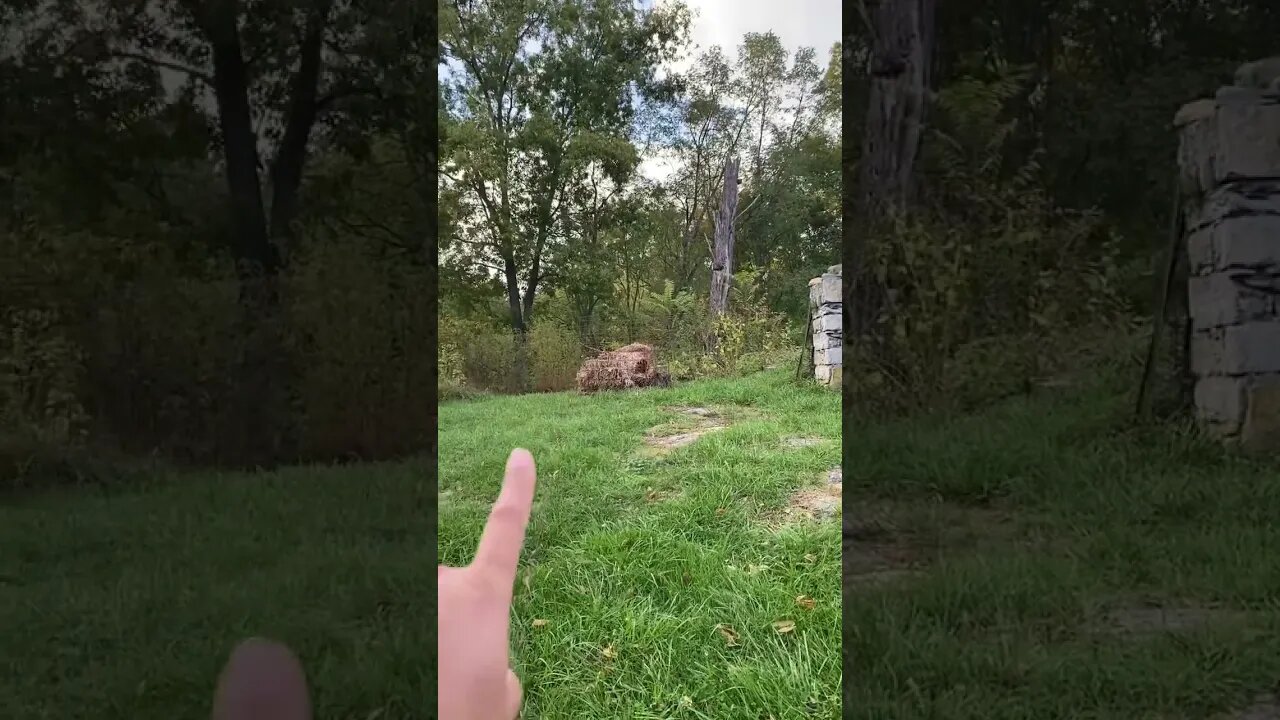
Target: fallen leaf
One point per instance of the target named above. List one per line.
(805, 602)
(608, 653)
(730, 635)
(782, 627)
(540, 623)
(810, 558)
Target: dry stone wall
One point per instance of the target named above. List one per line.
(1229, 175)
(825, 306)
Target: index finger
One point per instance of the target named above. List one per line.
(503, 536)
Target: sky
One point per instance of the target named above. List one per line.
(797, 23)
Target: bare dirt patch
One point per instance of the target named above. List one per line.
(1265, 707)
(814, 503)
(887, 542)
(700, 412)
(1153, 620)
(656, 496)
(802, 442)
(667, 443)
(690, 424)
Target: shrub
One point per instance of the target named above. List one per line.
(494, 361)
(556, 357)
(363, 355)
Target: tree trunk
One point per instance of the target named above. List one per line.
(260, 422)
(291, 157)
(722, 255)
(251, 244)
(254, 420)
(901, 51)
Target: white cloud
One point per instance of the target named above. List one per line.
(797, 23)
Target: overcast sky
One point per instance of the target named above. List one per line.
(797, 23)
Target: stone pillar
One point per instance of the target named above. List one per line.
(1229, 174)
(828, 336)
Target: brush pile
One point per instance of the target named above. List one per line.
(628, 367)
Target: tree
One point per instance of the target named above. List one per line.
(901, 52)
(543, 89)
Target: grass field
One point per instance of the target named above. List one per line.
(654, 576)
(124, 604)
(1041, 559)
(1046, 559)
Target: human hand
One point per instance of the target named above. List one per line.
(475, 677)
(263, 680)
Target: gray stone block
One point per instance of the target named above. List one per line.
(827, 356)
(831, 287)
(1248, 134)
(827, 322)
(1200, 253)
(822, 373)
(1247, 241)
(1221, 399)
(1260, 429)
(1217, 300)
(1197, 146)
(1194, 112)
(1206, 352)
(1239, 199)
(1253, 347)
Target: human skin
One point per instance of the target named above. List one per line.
(263, 680)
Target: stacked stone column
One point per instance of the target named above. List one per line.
(1229, 165)
(825, 305)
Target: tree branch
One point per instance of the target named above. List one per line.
(200, 75)
(326, 101)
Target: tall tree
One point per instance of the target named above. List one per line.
(901, 34)
(275, 71)
(543, 89)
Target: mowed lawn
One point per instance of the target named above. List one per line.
(1048, 559)
(655, 582)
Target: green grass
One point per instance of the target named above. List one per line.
(123, 603)
(646, 555)
(1039, 533)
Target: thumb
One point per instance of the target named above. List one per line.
(514, 695)
(262, 681)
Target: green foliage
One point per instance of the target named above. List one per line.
(40, 375)
(453, 334)
(361, 344)
(555, 356)
(493, 360)
(992, 263)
